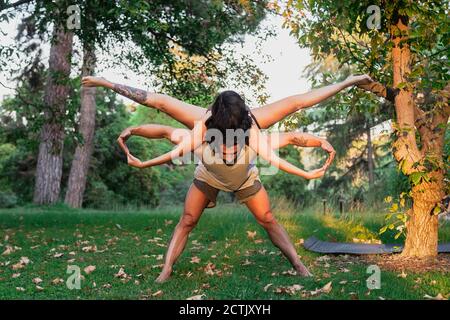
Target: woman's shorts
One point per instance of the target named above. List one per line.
(242, 195)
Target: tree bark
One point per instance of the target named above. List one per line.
(421, 227)
(370, 164)
(83, 152)
(56, 91)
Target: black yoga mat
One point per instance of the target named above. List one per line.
(316, 245)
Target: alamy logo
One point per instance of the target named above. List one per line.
(374, 281)
(374, 20)
(74, 280)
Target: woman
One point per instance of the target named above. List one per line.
(218, 172)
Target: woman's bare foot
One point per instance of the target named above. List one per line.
(91, 81)
(164, 275)
(302, 271)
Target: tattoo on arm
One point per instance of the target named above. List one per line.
(138, 95)
(300, 141)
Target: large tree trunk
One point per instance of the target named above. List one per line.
(83, 152)
(370, 164)
(56, 91)
(421, 228)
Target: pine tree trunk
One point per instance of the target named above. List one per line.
(370, 164)
(83, 152)
(56, 91)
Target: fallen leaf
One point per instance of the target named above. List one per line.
(58, 255)
(251, 234)
(37, 280)
(89, 269)
(57, 281)
(195, 259)
(439, 296)
(39, 288)
(121, 274)
(266, 287)
(158, 293)
(89, 248)
(197, 297)
(402, 275)
(20, 289)
(15, 275)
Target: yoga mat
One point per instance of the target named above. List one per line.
(316, 245)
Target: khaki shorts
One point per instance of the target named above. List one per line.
(242, 195)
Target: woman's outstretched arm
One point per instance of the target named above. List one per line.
(187, 141)
(260, 144)
(281, 139)
(270, 114)
(183, 112)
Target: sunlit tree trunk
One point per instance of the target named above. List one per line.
(56, 91)
(422, 225)
(370, 160)
(80, 164)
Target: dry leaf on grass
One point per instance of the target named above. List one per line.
(289, 289)
(439, 296)
(58, 255)
(325, 289)
(158, 293)
(37, 280)
(89, 248)
(89, 269)
(267, 286)
(251, 234)
(195, 259)
(57, 281)
(20, 289)
(197, 297)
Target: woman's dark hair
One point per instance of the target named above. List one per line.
(229, 111)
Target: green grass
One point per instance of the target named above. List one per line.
(243, 266)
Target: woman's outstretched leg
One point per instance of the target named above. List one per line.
(194, 205)
(259, 205)
(271, 113)
(181, 111)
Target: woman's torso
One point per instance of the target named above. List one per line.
(228, 177)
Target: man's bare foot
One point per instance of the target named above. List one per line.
(303, 271)
(164, 275)
(91, 81)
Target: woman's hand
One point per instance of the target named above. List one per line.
(359, 79)
(133, 161)
(325, 145)
(91, 81)
(314, 174)
(123, 137)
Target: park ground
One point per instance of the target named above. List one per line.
(228, 256)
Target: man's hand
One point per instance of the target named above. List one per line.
(133, 161)
(91, 81)
(363, 79)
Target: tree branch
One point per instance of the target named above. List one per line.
(4, 6)
(380, 90)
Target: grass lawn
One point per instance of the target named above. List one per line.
(222, 260)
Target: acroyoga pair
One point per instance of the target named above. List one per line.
(227, 160)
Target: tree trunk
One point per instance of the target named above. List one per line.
(83, 152)
(56, 91)
(370, 164)
(421, 228)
